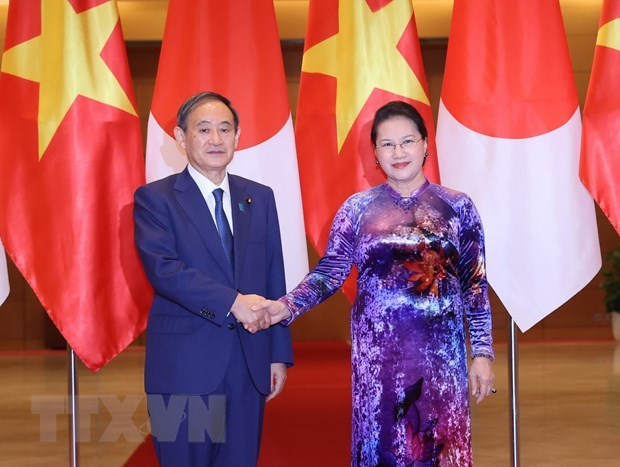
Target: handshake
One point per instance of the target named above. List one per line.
(257, 313)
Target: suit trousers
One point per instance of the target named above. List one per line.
(222, 429)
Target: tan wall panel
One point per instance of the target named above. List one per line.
(143, 20)
(433, 18)
(580, 17)
(291, 16)
(581, 49)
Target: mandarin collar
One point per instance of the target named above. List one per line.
(417, 192)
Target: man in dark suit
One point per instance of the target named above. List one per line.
(210, 245)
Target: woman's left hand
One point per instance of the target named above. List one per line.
(481, 378)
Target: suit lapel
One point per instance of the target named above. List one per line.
(191, 201)
(242, 215)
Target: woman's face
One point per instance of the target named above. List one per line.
(400, 149)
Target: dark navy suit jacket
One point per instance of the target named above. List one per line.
(190, 330)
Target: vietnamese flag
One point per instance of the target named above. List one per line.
(358, 56)
(70, 160)
(508, 135)
(600, 144)
(232, 48)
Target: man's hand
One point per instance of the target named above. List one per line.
(252, 321)
(278, 376)
(276, 310)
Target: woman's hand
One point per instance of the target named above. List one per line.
(481, 378)
(277, 310)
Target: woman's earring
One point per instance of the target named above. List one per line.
(425, 156)
(377, 161)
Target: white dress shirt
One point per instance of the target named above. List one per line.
(206, 187)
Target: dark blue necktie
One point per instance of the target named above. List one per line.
(223, 227)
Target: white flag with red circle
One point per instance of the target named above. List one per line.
(508, 135)
(232, 48)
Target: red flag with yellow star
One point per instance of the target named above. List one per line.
(600, 143)
(359, 55)
(70, 160)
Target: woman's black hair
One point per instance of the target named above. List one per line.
(397, 109)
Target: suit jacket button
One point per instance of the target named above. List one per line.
(231, 326)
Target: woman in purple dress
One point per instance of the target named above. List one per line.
(419, 250)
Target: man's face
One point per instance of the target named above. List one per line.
(210, 139)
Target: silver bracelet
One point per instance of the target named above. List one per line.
(485, 355)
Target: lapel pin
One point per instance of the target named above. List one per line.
(248, 201)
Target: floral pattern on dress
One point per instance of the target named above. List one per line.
(421, 276)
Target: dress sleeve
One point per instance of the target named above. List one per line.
(332, 269)
(473, 279)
